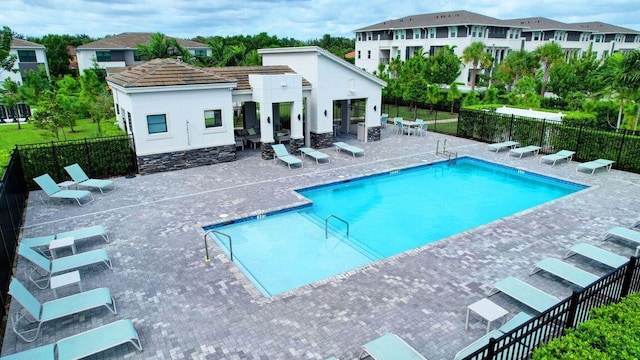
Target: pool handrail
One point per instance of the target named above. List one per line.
(206, 246)
(326, 225)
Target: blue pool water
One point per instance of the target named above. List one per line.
(387, 215)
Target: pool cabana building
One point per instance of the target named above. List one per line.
(182, 116)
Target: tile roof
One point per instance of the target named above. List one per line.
(131, 40)
(165, 72)
(450, 18)
(241, 73)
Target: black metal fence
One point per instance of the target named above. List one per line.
(569, 313)
(99, 157)
(622, 147)
(13, 198)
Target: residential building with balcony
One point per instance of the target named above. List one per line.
(401, 38)
(29, 57)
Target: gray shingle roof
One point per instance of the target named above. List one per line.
(131, 40)
(541, 23)
(19, 43)
(448, 18)
(600, 27)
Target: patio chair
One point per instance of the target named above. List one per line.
(525, 150)
(354, 150)
(383, 120)
(78, 234)
(45, 352)
(596, 164)
(399, 128)
(80, 178)
(516, 321)
(626, 234)
(46, 268)
(596, 254)
(35, 312)
(389, 347)
(560, 155)
(99, 339)
(281, 153)
(52, 189)
(317, 155)
(499, 146)
(525, 293)
(422, 129)
(282, 136)
(564, 271)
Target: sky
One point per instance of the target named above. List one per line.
(297, 19)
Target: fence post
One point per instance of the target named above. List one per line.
(628, 276)
(86, 151)
(579, 139)
(573, 307)
(491, 349)
(511, 127)
(624, 135)
(544, 122)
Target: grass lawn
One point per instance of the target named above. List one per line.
(10, 135)
(424, 114)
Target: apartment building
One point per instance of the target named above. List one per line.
(401, 38)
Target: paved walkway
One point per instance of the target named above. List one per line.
(184, 308)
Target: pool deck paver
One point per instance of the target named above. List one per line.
(185, 308)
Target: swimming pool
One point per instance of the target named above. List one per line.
(387, 214)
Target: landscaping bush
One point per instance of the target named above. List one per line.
(611, 333)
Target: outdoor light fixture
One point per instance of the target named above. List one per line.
(375, 108)
(325, 113)
(269, 119)
(299, 118)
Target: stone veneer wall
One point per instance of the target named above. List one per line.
(148, 164)
(295, 144)
(267, 151)
(373, 133)
(319, 141)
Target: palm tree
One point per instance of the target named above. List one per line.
(516, 65)
(549, 54)
(477, 56)
(163, 47)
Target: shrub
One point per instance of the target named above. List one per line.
(611, 333)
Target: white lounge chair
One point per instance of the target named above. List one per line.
(389, 347)
(499, 146)
(315, 154)
(516, 321)
(354, 150)
(560, 155)
(565, 271)
(525, 150)
(596, 254)
(52, 189)
(281, 153)
(78, 234)
(596, 164)
(84, 344)
(626, 234)
(35, 312)
(81, 179)
(525, 293)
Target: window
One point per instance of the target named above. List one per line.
(103, 55)
(453, 32)
(200, 52)
(27, 56)
(369, 36)
(157, 123)
(398, 54)
(358, 54)
(432, 33)
(402, 34)
(368, 54)
(416, 34)
(136, 56)
(212, 118)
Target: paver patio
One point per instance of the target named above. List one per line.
(184, 308)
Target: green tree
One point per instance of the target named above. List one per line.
(549, 54)
(58, 55)
(443, 66)
(413, 81)
(618, 74)
(433, 95)
(161, 47)
(34, 85)
(471, 99)
(10, 97)
(478, 57)
(51, 115)
(490, 96)
(453, 94)
(67, 98)
(6, 59)
(101, 109)
(516, 65)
